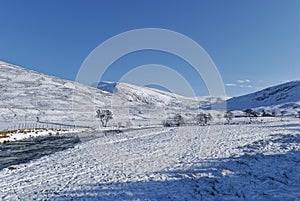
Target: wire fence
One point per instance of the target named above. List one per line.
(40, 125)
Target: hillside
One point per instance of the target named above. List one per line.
(26, 95)
(281, 97)
(151, 96)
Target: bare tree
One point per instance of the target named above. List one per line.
(203, 119)
(104, 116)
(176, 120)
(179, 119)
(200, 119)
(208, 117)
(228, 116)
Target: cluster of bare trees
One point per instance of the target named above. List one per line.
(251, 114)
(176, 120)
(104, 116)
(203, 119)
(265, 114)
(200, 119)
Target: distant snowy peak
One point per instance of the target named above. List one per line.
(284, 94)
(107, 86)
(133, 93)
(139, 94)
(114, 87)
(151, 96)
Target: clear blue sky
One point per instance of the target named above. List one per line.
(253, 43)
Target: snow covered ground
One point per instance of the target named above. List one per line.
(258, 161)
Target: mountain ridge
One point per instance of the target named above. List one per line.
(271, 97)
(27, 94)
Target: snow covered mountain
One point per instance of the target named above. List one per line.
(151, 96)
(27, 96)
(281, 97)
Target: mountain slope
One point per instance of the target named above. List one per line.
(26, 95)
(285, 95)
(155, 97)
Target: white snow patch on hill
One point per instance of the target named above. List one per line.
(286, 95)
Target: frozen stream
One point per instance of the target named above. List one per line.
(22, 151)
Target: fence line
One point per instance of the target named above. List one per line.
(40, 125)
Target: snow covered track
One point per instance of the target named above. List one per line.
(231, 162)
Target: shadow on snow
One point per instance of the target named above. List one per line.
(249, 176)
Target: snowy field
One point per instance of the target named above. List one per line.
(258, 161)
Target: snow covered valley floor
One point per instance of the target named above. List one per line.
(219, 162)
